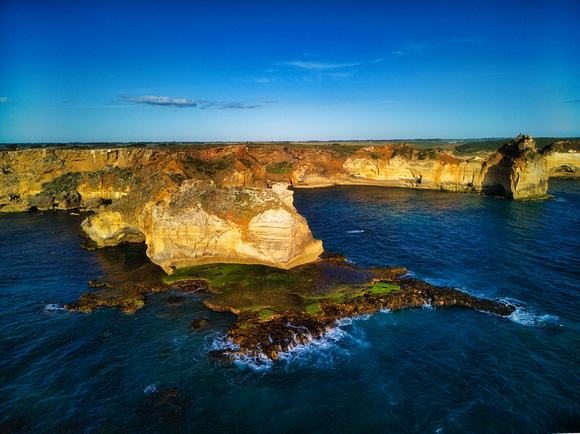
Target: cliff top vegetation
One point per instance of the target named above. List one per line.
(344, 148)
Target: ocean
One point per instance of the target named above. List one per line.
(439, 370)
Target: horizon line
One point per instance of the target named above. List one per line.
(434, 139)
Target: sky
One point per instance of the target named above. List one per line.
(225, 70)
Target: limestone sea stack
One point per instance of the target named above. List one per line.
(198, 222)
(517, 171)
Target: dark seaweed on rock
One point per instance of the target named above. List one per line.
(281, 332)
(280, 309)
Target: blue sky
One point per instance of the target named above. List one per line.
(226, 70)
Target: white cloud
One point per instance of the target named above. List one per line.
(264, 80)
(318, 65)
(206, 104)
(237, 105)
(187, 102)
(338, 75)
(414, 48)
(162, 101)
(474, 41)
(397, 53)
(407, 49)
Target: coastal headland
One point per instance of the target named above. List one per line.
(205, 204)
(70, 177)
(221, 218)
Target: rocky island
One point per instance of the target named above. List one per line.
(222, 218)
(279, 309)
(196, 222)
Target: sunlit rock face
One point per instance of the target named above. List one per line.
(199, 222)
(109, 228)
(200, 204)
(563, 159)
(517, 171)
(63, 178)
(402, 166)
(202, 222)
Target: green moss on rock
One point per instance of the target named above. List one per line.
(383, 288)
(235, 203)
(266, 313)
(196, 167)
(282, 168)
(313, 309)
(116, 175)
(67, 182)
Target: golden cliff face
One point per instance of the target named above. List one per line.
(200, 222)
(563, 159)
(564, 165)
(394, 166)
(229, 224)
(516, 171)
(401, 166)
(35, 177)
(199, 204)
(69, 178)
(183, 221)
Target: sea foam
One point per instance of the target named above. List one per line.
(152, 388)
(530, 318)
(53, 307)
(527, 316)
(336, 345)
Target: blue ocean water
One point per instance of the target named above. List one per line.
(422, 370)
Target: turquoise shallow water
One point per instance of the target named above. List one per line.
(421, 370)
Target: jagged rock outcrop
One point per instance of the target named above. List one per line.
(200, 222)
(517, 171)
(280, 309)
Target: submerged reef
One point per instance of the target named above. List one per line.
(278, 309)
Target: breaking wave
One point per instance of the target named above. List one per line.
(48, 307)
(336, 346)
(527, 316)
(152, 388)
